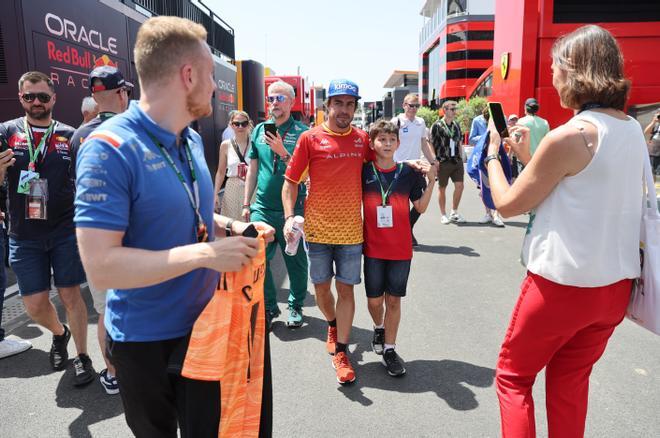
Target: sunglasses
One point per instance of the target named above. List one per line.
(43, 97)
(279, 98)
(413, 105)
(127, 90)
(243, 124)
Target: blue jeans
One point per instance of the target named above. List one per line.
(347, 260)
(32, 260)
(3, 280)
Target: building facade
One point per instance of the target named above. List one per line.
(455, 46)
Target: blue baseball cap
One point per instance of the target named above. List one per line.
(343, 87)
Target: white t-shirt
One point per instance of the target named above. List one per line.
(411, 135)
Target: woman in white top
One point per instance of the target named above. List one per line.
(583, 187)
(233, 162)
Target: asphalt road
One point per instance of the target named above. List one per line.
(463, 286)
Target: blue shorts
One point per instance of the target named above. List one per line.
(32, 260)
(347, 260)
(386, 276)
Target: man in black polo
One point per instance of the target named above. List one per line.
(41, 231)
(111, 92)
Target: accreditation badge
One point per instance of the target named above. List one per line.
(25, 180)
(36, 201)
(452, 147)
(384, 216)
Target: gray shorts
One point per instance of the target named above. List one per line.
(325, 258)
(98, 296)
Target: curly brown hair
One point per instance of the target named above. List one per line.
(593, 63)
(382, 126)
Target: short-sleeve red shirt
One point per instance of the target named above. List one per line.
(334, 165)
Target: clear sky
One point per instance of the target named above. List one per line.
(362, 40)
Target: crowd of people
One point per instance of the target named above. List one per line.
(128, 195)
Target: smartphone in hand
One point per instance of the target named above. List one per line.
(270, 127)
(497, 116)
(250, 231)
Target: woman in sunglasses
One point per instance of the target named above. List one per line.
(232, 166)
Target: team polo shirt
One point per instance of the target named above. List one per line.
(538, 128)
(83, 131)
(334, 164)
(125, 184)
(54, 165)
(270, 180)
(411, 135)
(394, 243)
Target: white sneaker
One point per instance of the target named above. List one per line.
(456, 217)
(444, 220)
(486, 219)
(497, 220)
(10, 347)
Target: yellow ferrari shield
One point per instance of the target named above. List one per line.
(504, 64)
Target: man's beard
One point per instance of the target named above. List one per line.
(36, 113)
(343, 123)
(196, 107)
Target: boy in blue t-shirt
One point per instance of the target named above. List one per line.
(387, 189)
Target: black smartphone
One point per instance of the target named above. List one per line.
(271, 127)
(497, 116)
(250, 231)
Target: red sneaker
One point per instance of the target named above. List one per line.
(331, 343)
(345, 372)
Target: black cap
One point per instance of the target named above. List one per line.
(532, 105)
(110, 77)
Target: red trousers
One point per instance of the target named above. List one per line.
(564, 329)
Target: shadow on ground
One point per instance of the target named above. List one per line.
(443, 249)
(448, 379)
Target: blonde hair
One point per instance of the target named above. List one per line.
(163, 43)
(235, 113)
(593, 63)
(411, 96)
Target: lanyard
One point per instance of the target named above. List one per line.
(447, 128)
(386, 193)
(34, 153)
(202, 234)
(105, 115)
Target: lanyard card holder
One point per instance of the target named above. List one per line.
(36, 203)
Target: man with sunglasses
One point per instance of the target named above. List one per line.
(269, 157)
(41, 231)
(111, 92)
(413, 135)
(446, 139)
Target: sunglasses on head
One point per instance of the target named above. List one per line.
(413, 105)
(43, 97)
(279, 98)
(243, 124)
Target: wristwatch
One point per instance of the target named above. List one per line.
(491, 157)
(228, 225)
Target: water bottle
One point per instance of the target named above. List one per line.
(297, 229)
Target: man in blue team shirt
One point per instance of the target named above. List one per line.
(146, 230)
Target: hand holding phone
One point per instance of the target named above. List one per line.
(250, 231)
(270, 127)
(497, 116)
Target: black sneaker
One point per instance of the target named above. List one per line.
(393, 363)
(58, 353)
(378, 342)
(85, 373)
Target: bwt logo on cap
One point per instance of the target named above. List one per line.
(343, 87)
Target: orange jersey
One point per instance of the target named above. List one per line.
(227, 345)
(333, 161)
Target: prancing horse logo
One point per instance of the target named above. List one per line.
(504, 64)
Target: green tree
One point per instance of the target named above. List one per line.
(468, 110)
(429, 115)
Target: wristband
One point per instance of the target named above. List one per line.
(288, 217)
(228, 225)
(246, 205)
(490, 158)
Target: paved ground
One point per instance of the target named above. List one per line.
(463, 287)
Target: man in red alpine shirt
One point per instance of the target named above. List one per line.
(332, 153)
